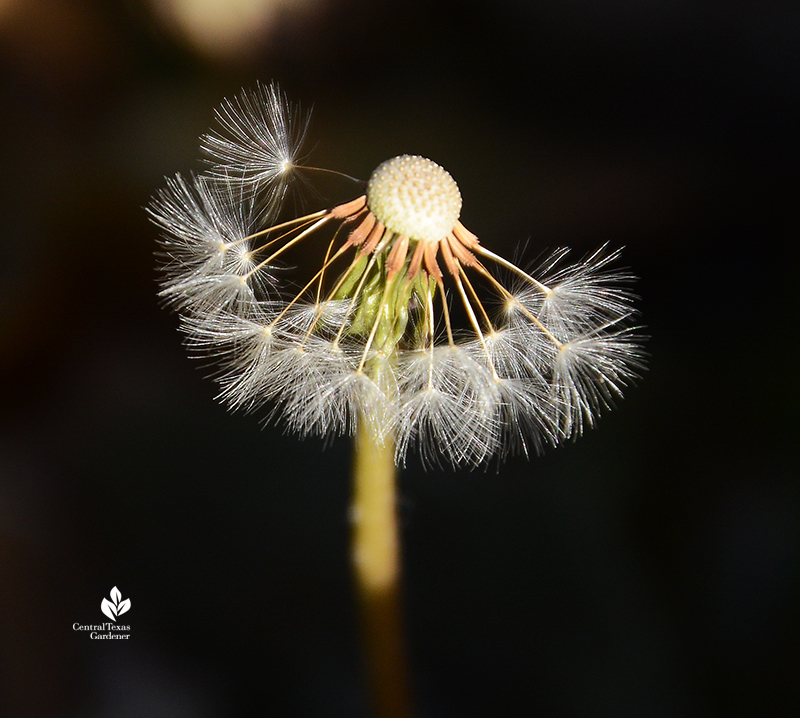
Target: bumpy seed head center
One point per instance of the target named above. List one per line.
(414, 197)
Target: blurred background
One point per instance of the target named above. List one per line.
(650, 569)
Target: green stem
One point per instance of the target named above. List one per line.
(376, 560)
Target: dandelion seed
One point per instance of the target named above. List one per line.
(449, 403)
(590, 372)
(259, 137)
(582, 295)
(392, 329)
(207, 255)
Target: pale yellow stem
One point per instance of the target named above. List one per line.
(376, 560)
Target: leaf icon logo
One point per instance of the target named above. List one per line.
(116, 606)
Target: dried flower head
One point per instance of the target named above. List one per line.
(393, 328)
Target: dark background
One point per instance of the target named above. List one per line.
(650, 569)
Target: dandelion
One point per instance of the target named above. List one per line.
(393, 330)
(409, 332)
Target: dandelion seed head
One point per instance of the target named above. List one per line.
(406, 326)
(414, 197)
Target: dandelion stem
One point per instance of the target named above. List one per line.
(376, 561)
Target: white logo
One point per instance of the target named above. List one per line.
(115, 607)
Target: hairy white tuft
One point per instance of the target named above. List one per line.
(258, 141)
(207, 262)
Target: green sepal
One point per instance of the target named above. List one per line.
(369, 300)
(353, 277)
